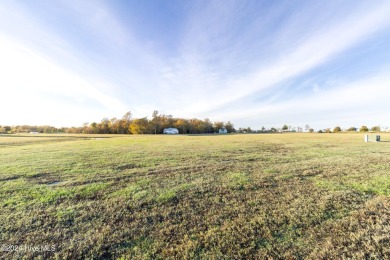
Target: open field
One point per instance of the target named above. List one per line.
(223, 196)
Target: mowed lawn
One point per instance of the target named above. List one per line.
(219, 196)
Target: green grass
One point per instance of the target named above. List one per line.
(219, 196)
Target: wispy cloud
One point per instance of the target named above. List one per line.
(47, 73)
(232, 60)
(360, 102)
(27, 77)
(321, 46)
(209, 88)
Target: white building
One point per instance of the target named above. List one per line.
(222, 131)
(171, 131)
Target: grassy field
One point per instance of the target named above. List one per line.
(222, 196)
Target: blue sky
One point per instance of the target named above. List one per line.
(255, 63)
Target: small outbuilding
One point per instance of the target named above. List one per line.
(372, 138)
(222, 131)
(171, 131)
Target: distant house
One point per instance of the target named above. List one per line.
(171, 131)
(222, 131)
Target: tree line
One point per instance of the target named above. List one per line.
(158, 122)
(336, 129)
(307, 128)
(363, 128)
(128, 125)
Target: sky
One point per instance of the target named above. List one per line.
(254, 63)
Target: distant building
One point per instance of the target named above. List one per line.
(171, 131)
(222, 131)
